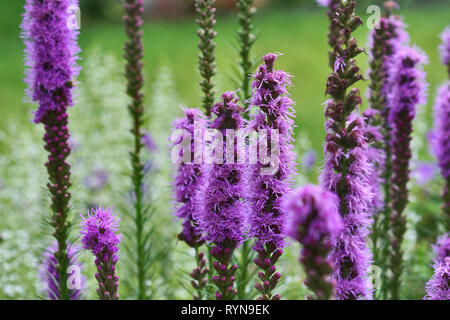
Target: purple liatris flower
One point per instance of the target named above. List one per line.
(272, 175)
(222, 212)
(187, 181)
(445, 47)
(438, 288)
(189, 177)
(408, 91)
(50, 276)
(99, 235)
(51, 53)
(347, 168)
(315, 223)
(442, 143)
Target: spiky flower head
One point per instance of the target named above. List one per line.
(50, 36)
(99, 231)
(445, 46)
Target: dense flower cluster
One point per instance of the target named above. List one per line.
(50, 276)
(267, 217)
(442, 142)
(408, 91)
(347, 169)
(188, 178)
(438, 288)
(315, 223)
(99, 235)
(50, 34)
(445, 47)
(51, 53)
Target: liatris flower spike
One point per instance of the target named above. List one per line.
(384, 42)
(133, 53)
(51, 53)
(222, 213)
(445, 48)
(246, 11)
(438, 288)
(206, 58)
(50, 276)
(187, 181)
(442, 143)
(271, 178)
(99, 235)
(347, 169)
(315, 223)
(408, 91)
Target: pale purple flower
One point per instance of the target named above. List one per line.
(50, 276)
(445, 46)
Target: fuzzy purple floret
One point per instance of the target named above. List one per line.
(408, 85)
(314, 215)
(442, 129)
(270, 94)
(50, 52)
(438, 288)
(188, 178)
(50, 276)
(351, 256)
(445, 46)
(222, 213)
(99, 231)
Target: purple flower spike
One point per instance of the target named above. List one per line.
(99, 235)
(347, 169)
(50, 37)
(50, 275)
(188, 178)
(51, 53)
(438, 288)
(316, 224)
(442, 143)
(271, 180)
(408, 91)
(222, 214)
(187, 182)
(445, 47)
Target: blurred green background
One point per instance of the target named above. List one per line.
(296, 28)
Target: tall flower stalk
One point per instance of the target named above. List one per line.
(384, 42)
(442, 144)
(315, 223)
(222, 213)
(99, 235)
(206, 58)
(347, 167)
(246, 11)
(187, 181)
(408, 91)
(442, 125)
(133, 53)
(51, 53)
(270, 178)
